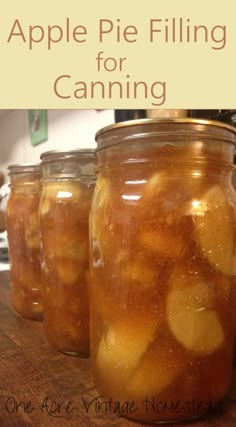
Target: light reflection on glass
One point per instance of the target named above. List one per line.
(130, 197)
(136, 181)
(198, 207)
(64, 194)
(196, 204)
(197, 173)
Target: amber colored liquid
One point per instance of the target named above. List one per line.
(162, 286)
(24, 251)
(64, 212)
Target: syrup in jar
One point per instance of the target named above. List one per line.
(162, 244)
(68, 184)
(24, 240)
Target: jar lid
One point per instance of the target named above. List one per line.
(148, 129)
(73, 164)
(55, 155)
(24, 168)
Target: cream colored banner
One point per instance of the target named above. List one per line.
(124, 54)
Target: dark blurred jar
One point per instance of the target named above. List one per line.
(123, 115)
(24, 240)
(68, 183)
(226, 116)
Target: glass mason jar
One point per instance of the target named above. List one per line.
(24, 240)
(163, 267)
(68, 184)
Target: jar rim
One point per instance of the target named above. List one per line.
(23, 168)
(163, 127)
(54, 155)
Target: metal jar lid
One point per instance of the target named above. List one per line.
(56, 155)
(71, 164)
(165, 130)
(24, 168)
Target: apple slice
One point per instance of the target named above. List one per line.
(32, 237)
(165, 241)
(191, 315)
(68, 270)
(139, 275)
(156, 184)
(101, 193)
(214, 229)
(122, 347)
(157, 370)
(59, 190)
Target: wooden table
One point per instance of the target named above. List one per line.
(35, 379)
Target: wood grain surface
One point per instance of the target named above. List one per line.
(40, 387)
